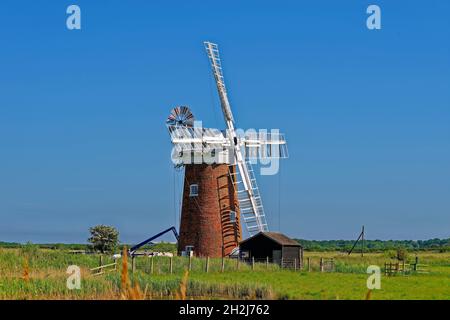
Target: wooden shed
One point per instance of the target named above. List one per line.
(276, 247)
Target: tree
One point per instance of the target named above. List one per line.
(104, 238)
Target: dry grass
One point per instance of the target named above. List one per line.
(128, 292)
(26, 270)
(181, 295)
(124, 280)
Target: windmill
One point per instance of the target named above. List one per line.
(220, 186)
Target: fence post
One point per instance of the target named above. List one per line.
(151, 265)
(253, 263)
(282, 262)
(301, 261)
(321, 264)
(267, 263)
(295, 264)
(416, 263)
(223, 264)
(309, 264)
(133, 264)
(171, 265)
(207, 264)
(190, 262)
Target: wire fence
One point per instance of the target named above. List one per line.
(160, 265)
(176, 264)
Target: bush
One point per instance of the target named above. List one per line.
(29, 250)
(402, 254)
(391, 254)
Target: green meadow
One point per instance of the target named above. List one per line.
(33, 273)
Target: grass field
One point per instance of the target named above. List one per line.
(41, 274)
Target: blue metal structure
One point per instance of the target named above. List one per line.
(143, 243)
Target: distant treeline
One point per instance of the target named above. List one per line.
(442, 245)
(376, 245)
(161, 246)
(67, 246)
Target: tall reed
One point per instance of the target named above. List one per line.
(128, 292)
(181, 294)
(26, 270)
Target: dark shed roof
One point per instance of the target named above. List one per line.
(277, 237)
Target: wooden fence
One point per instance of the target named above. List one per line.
(322, 265)
(391, 269)
(403, 267)
(104, 268)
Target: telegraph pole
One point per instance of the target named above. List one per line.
(362, 242)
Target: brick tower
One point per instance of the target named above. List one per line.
(210, 217)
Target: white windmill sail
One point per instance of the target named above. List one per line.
(252, 212)
(250, 202)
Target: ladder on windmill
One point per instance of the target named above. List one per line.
(254, 221)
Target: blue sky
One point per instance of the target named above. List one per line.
(366, 113)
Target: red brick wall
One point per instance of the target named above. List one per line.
(205, 219)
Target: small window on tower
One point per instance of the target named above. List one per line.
(232, 216)
(193, 190)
